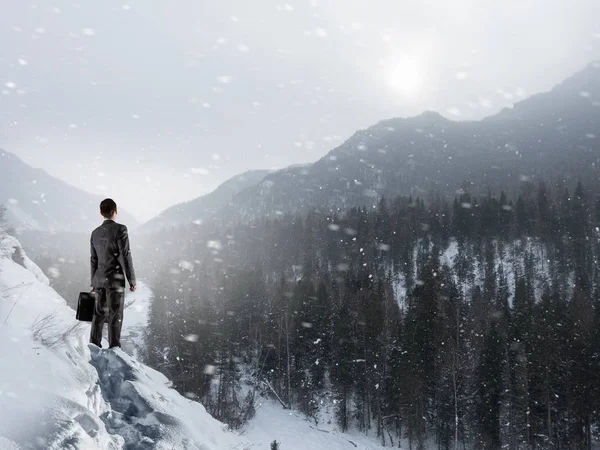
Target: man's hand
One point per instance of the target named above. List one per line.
(93, 289)
(132, 288)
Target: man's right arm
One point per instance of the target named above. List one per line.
(93, 261)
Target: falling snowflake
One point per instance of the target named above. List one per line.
(225, 79)
(215, 245)
(486, 103)
(53, 272)
(186, 265)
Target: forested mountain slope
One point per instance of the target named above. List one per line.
(204, 207)
(473, 321)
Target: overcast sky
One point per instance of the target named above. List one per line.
(156, 102)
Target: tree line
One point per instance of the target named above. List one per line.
(470, 323)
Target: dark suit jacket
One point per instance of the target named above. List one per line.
(110, 255)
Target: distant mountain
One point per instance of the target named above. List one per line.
(553, 136)
(206, 206)
(37, 201)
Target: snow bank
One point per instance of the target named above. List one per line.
(294, 432)
(144, 409)
(137, 306)
(9, 246)
(56, 392)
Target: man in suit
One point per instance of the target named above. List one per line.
(111, 262)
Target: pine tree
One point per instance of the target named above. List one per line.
(342, 364)
(489, 389)
(411, 349)
(422, 331)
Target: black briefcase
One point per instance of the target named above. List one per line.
(85, 306)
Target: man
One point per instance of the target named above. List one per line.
(110, 255)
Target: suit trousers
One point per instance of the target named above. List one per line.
(109, 308)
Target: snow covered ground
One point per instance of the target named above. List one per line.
(294, 432)
(57, 392)
(135, 318)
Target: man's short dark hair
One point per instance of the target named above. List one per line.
(108, 208)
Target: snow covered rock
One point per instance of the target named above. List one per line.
(11, 248)
(56, 392)
(146, 412)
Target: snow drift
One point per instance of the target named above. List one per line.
(56, 392)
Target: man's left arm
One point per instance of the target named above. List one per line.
(125, 250)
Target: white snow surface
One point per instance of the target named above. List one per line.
(135, 318)
(9, 245)
(294, 431)
(58, 392)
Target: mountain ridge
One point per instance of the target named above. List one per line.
(206, 206)
(35, 200)
(430, 152)
(547, 136)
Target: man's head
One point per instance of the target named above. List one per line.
(108, 208)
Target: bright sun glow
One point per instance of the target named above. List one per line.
(405, 77)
